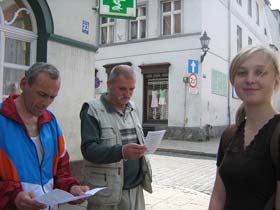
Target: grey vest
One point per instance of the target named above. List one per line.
(111, 175)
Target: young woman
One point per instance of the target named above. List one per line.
(246, 176)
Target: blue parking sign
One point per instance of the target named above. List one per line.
(193, 66)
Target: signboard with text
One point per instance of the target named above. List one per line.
(118, 8)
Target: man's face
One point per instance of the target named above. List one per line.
(38, 96)
(121, 90)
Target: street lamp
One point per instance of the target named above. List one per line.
(204, 40)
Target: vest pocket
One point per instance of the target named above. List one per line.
(104, 177)
(108, 135)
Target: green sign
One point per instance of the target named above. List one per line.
(219, 83)
(118, 8)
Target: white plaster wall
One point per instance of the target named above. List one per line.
(77, 74)
(68, 16)
(214, 108)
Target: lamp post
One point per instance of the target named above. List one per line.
(204, 40)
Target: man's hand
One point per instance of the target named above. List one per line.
(24, 201)
(133, 151)
(78, 190)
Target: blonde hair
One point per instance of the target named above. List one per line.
(242, 56)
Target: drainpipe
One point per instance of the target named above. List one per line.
(229, 57)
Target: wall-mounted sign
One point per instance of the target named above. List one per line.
(193, 66)
(85, 27)
(118, 8)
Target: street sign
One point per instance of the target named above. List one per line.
(85, 27)
(118, 8)
(193, 80)
(193, 66)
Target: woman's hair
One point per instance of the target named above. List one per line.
(241, 57)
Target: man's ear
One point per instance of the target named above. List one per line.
(23, 83)
(109, 84)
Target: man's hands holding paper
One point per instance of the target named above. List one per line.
(78, 190)
(133, 151)
(25, 201)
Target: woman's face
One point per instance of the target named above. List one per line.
(255, 79)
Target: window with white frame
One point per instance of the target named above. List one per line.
(171, 17)
(250, 7)
(257, 14)
(138, 26)
(18, 40)
(239, 38)
(239, 2)
(107, 26)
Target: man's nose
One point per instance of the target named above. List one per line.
(47, 101)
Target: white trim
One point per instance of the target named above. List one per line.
(20, 34)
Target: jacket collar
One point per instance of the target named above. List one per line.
(9, 110)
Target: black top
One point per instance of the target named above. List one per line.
(249, 174)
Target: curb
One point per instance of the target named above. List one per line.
(188, 152)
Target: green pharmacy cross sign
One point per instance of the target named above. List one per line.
(118, 8)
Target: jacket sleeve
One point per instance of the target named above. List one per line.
(63, 179)
(8, 194)
(91, 146)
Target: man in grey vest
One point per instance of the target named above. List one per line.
(112, 146)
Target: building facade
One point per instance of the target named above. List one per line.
(176, 89)
(61, 33)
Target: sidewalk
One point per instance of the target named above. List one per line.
(166, 198)
(204, 148)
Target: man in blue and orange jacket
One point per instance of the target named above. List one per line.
(33, 158)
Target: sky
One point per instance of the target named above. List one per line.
(275, 4)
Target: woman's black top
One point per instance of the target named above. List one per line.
(249, 174)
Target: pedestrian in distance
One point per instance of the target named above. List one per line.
(112, 146)
(33, 157)
(247, 178)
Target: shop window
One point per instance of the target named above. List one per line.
(155, 107)
(156, 97)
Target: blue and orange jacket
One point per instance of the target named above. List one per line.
(19, 166)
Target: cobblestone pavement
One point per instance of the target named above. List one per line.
(187, 171)
(180, 182)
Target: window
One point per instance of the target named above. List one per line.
(239, 38)
(19, 44)
(257, 14)
(107, 30)
(138, 26)
(155, 93)
(250, 7)
(171, 17)
(250, 41)
(239, 2)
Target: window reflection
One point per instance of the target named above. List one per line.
(14, 9)
(11, 81)
(17, 52)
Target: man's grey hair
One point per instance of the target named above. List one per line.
(124, 70)
(32, 73)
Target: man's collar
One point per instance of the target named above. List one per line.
(9, 110)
